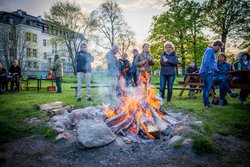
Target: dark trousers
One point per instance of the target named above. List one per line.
(135, 79)
(58, 85)
(3, 86)
(170, 82)
(16, 84)
(224, 87)
(244, 93)
(208, 79)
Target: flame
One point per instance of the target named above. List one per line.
(133, 105)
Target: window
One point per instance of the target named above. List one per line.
(49, 60)
(54, 49)
(35, 65)
(28, 36)
(34, 53)
(28, 52)
(29, 64)
(45, 55)
(34, 37)
(11, 36)
(11, 20)
(44, 42)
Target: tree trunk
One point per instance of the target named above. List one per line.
(183, 59)
(224, 40)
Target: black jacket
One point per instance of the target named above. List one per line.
(169, 67)
(16, 70)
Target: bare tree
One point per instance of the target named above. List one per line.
(108, 17)
(13, 44)
(74, 25)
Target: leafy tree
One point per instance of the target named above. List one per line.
(111, 26)
(68, 18)
(182, 25)
(227, 17)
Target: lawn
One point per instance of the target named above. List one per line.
(233, 119)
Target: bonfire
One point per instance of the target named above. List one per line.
(138, 112)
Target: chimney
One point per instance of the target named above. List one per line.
(39, 18)
(20, 12)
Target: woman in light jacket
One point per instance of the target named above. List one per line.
(144, 63)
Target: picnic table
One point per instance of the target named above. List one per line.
(39, 82)
(243, 75)
(187, 82)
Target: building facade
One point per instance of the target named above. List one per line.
(32, 41)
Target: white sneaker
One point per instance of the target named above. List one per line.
(168, 103)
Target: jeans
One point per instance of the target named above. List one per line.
(58, 85)
(163, 79)
(208, 79)
(80, 77)
(224, 87)
(135, 78)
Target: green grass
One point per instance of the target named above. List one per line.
(233, 119)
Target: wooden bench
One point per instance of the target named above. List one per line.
(91, 86)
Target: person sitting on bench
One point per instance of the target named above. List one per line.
(242, 64)
(191, 69)
(16, 71)
(3, 79)
(221, 77)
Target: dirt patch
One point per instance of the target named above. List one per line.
(38, 151)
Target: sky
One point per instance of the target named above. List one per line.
(137, 13)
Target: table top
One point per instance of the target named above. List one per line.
(45, 79)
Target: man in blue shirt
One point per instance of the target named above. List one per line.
(208, 68)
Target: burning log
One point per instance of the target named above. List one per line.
(120, 125)
(113, 120)
(150, 127)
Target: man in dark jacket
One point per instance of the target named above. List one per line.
(125, 68)
(16, 71)
(169, 61)
(222, 77)
(83, 67)
(207, 70)
(3, 79)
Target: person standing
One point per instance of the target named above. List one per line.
(133, 70)
(83, 67)
(15, 70)
(169, 61)
(57, 70)
(3, 79)
(144, 62)
(222, 76)
(113, 71)
(208, 68)
(125, 68)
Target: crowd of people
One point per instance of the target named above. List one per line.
(212, 70)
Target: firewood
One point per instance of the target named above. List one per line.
(49, 106)
(162, 125)
(169, 119)
(127, 128)
(150, 127)
(120, 125)
(113, 120)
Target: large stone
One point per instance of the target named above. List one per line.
(174, 140)
(93, 133)
(188, 143)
